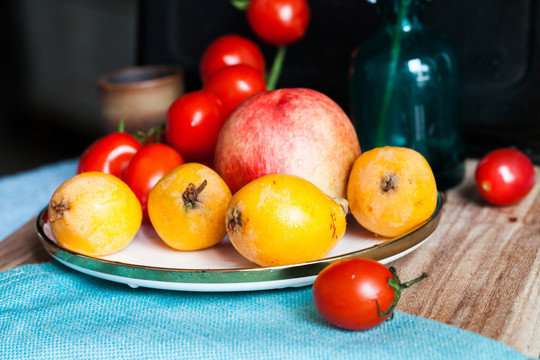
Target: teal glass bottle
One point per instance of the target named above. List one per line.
(405, 90)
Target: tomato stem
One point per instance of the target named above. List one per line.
(275, 71)
(121, 126)
(156, 131)
(240, 4)
(398, 287)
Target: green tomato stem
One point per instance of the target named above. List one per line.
(398, 288)
(240, 4)
(275, 71)
(145, 136)
(158, 129)
(121, 126)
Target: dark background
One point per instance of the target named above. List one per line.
(497, 44)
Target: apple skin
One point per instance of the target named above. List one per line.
(293, 131)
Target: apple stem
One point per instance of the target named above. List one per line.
(275, 71)
(343, 203)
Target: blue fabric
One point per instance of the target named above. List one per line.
(23, 195)
(49, 311)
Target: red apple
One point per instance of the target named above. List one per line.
(288, 131)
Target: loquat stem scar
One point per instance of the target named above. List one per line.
(59, 210)
(191, 193)
(235, 221)
(389, 182)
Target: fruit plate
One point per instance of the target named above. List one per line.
(148, 262)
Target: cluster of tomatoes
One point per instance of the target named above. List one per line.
(139, 165)
(232, 68)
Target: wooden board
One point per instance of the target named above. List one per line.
(483, 265)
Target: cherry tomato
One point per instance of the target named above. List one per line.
(193, 124)
(230, 50)
(147, 167)
(233, 84)
(504, 176)
(110, 154)
(357, 294)
(279, 22)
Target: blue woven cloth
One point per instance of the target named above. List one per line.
(49, 311)
(23, 195)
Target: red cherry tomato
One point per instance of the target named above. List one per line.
(230, 50)
(234, 84)
(357, 294)
(147, 167)
(279, 22)
(110, 154)
(193, 124)
(504, 176)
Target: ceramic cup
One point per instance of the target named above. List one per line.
(140, 96)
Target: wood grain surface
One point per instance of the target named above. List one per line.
(22, 247)
(483, 265)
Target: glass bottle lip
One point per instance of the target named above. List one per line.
(406, 12)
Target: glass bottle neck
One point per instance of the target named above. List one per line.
(405, 13)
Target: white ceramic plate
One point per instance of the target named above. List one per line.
(148, 262)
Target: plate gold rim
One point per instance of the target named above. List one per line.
(378, 252)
